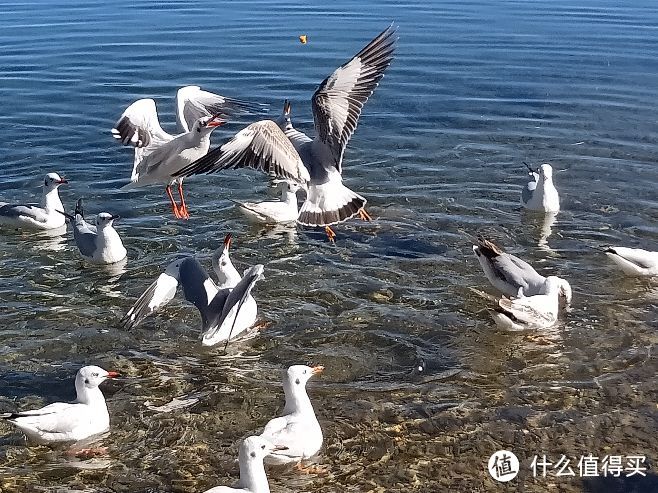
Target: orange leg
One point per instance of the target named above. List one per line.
(183, 207)
(174, 207)
(330, 234)
(364, 215)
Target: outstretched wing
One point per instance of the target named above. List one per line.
(193, 103)
(198, 288)
(338, 102)
(158, 294)
(262, 146)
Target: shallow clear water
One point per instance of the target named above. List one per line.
(476, 89)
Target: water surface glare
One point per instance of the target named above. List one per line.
(419, 388)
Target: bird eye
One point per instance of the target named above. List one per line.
(297, 381)
(86, 380)
(263, 447)
(304, 372)
(253, 454)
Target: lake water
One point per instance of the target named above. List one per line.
(476, 88)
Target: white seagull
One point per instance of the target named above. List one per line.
(278, 149)
(253, 479)
(99, 243)
(530, 312)
(634, 261)
(540, 193)
(270, 212)
(158, 155)
(65, 422)
(37, 217)
(511, 275)
(227, 308)
(298, 429)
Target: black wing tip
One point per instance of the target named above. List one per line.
(329, 218)
(79, 210)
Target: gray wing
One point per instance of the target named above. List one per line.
(262, 146)
(193, 103)
(338, 102)
(85, 239)
(198, 288)
(28, 211)
(228, 302)
(529, 188)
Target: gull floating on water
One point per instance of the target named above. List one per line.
(227, 308)
(279, 211)
(42, 216)
(634, 261)
(99, 243)
(530, 312)
(64, 422)
(158, 155)
(540, 193)
(298, 429)
(511, 275)
(278, 149)
(252, 471)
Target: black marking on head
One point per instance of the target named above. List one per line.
(297, 381)
(253, 454)
(86, 380)
(262, 447)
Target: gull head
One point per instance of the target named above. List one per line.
(207, 124)
(298, 375)
(256, 448)
(284, 121)
(227, 275)
(92, 376)
(564, 290)
(105, 219)
(546, 171)
(52, 181)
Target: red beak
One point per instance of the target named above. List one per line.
(112, 374)
(62, 181)
(215, 121)
(317, 369)
(227, 240)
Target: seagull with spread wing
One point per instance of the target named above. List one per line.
(158, 154)
(227, 309)
(278, 149)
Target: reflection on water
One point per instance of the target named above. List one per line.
(476, 89)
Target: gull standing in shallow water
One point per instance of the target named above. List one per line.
(252, 471)
(634, 261)
(227, 309)
(158, 155)
(298, 430)
(511, 275)
(64, 422)
(271, 212)
(278, 149)
(530, 312)
(99, 243)
(37, 217)
(540, 193)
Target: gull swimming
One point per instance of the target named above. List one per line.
(40, 217)
(530, 312)
(511, 275)
(634, 261)
(158, 154)
(99, 243)
(298, 430)
(540, 193)
(284, 210)
(64, 422)
(253, 479)
(278, 149)
(227, 308)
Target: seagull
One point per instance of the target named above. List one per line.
(280, 211)
(634, 261)
(530, 312)
(540, 193)
(511, 275)
(227, 308)
(64, 422)
(99, 243)
(158, 155)
(40, 217)
(298, 429)
(253, 479)
(276, 148)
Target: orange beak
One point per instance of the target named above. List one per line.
(215, 121)
(317, 369)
